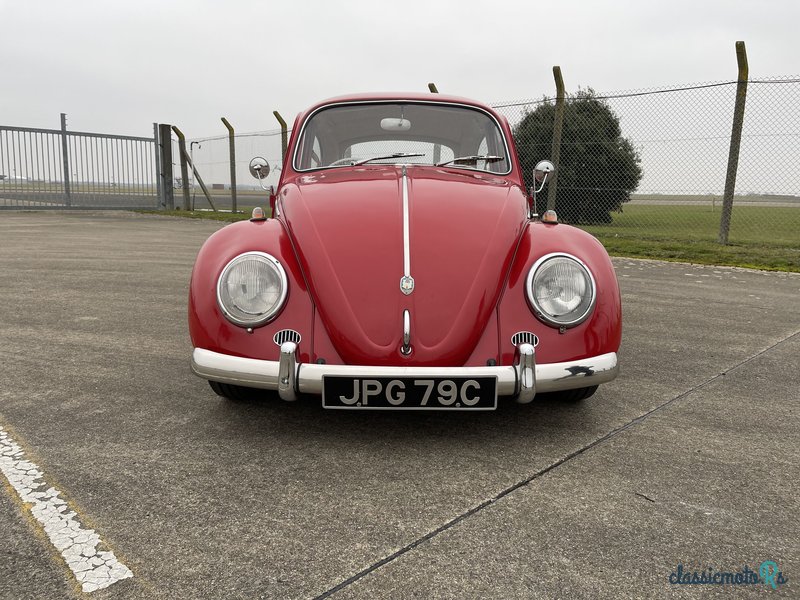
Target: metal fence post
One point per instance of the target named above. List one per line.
(186, 159)
(555, 152)
(284, 134)
(232, 151)
(187, 198)
(65, 154)
(159, 191)
(736, 140)
(165, 149)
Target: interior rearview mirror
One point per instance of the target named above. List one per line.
(390, 124)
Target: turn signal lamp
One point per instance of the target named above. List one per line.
(258, 214)
(549, 216)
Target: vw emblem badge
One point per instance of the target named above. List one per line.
(407, 284)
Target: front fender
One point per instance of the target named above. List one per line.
(599, 334)
(208, 327)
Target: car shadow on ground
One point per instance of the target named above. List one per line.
(544, 417)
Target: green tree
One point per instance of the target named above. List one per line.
(598, 168)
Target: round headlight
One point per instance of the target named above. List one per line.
(561, 290)
(252, 289)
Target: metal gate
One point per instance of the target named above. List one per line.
(51, 168)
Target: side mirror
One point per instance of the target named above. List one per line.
(542, 170)
(259, 168)
(541, 173)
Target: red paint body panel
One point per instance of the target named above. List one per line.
(348, 230)
(339, 237)
(599, 334)
(208, 327)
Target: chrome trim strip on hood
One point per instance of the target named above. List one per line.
(406, 243)
(406, 281)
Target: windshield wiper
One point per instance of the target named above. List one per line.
(471, 159)
(386, 156)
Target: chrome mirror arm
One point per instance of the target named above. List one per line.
(537, 190)
(541, 173)
(261, 181)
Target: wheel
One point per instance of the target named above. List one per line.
(575, 395)
(237, 393)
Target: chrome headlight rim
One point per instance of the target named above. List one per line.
(274, 311)
(534, 305)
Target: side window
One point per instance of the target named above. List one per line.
(491, 147)
(310, 151)
(315, 160)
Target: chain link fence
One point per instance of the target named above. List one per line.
(211, 157)
(651, 164)
(644, 164)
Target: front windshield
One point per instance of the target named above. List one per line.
(402, 132)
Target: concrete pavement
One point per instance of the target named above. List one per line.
(690, 456)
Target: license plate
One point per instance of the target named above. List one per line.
(409, 393)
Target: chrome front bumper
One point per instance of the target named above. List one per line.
(523, 380)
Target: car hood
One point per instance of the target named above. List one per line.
(347, 228)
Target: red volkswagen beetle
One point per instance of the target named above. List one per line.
(404, 269)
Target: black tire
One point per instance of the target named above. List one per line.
(236, 393)
(571, 396)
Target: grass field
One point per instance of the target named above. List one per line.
(715, 199)
(208, 215)
(760, 238)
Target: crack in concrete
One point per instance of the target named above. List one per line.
(486, 503)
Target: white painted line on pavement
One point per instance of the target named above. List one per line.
(95, 569)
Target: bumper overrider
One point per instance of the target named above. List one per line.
(289, 378)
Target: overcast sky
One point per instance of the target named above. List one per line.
(116, 67)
